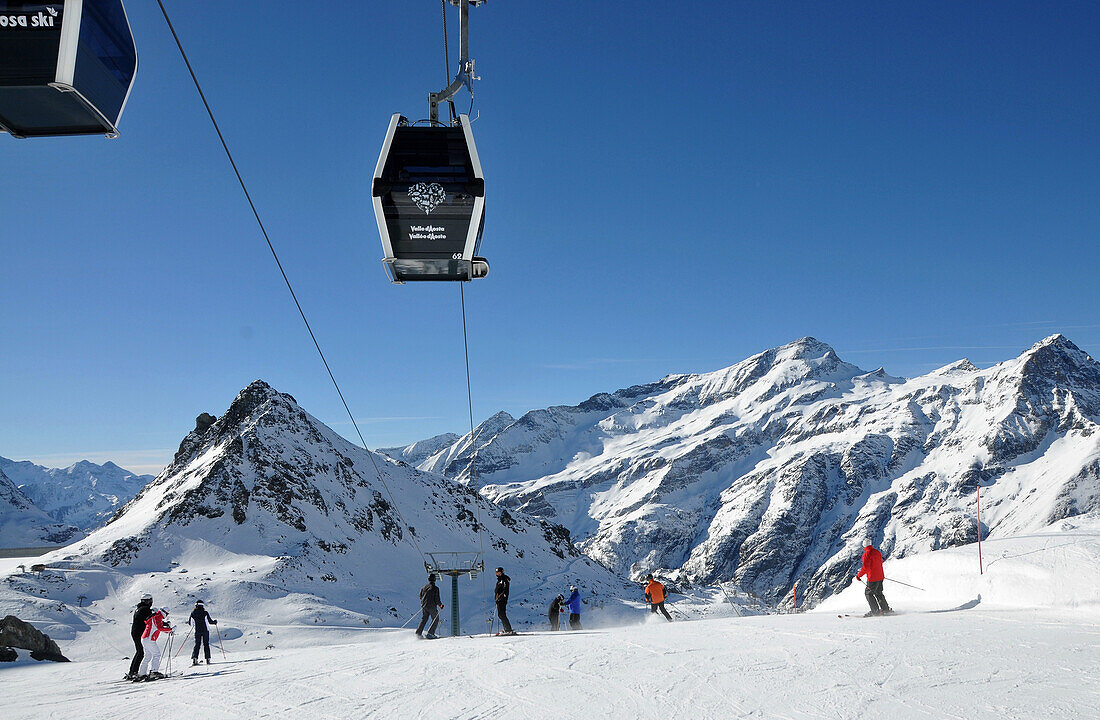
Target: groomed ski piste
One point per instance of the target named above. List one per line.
(1021, 640)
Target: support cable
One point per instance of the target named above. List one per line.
(473, 445)
(275, 255)
(447, 58)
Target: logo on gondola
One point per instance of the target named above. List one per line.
(427, 196)
(29, 20)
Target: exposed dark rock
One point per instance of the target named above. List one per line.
(203, 422)
(14, 633)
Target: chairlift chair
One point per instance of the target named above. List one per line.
(66, 67)
(429, 201)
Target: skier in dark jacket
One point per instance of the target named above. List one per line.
(574, 608)
(500, 594)
(142, 612)
(199, 617)
(555, 611)
(872, 568)
(430, 605)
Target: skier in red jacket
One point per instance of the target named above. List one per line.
(872, 568)
(154, 626)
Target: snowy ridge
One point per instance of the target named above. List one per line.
(269, 514)
(22, 525)
(84, 494)
(770, 472)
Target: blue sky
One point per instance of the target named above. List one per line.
(671, 187)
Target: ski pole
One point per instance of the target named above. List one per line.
(220, 646)
(411, 617)
(168, 654)
(899, 582)
(184, 643)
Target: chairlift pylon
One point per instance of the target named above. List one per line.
(66, 67)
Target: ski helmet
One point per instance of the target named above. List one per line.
(572, 587)
(500, 569)
(431, 577)
(147, 597)
(868, 542)
(649, 576)
(198, 602)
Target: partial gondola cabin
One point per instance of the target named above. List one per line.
(429, 201)
(66, 68)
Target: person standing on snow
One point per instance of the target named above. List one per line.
(655, 596)
(154, 626)
(430, 605)
(872, 568)
(500, 594)
(574, 608)
(199, 617)
(142, 613)
(555, 612)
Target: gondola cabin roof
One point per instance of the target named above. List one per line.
(429, 202)
(66, 68)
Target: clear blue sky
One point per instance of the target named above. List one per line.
(671, 187)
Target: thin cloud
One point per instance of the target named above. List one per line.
(929, 347)
(394, 418)
(595, 362)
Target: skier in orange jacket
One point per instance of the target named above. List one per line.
(655, 596)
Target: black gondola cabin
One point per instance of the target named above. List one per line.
(66, 68)
(429, 201)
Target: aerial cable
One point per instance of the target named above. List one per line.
(473, 445)
(275, 255)
(447, 57)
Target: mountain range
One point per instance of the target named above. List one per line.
(268, 512)
(84, 494)
(773, 471)
(22, 525)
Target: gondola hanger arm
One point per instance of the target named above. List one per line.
(465, 76)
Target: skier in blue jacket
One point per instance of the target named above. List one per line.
(574, 608)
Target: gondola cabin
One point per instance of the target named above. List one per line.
(65, 67)
(429, 201)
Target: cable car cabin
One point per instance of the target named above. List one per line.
(65, 67)
(429, 200)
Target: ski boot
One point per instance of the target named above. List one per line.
(194, 662)
(155, 676)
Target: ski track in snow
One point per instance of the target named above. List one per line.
(970, 665)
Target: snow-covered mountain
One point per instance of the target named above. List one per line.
(22, 525)
(420, 451)
(772, 471)
(267, 512)
(84, 494)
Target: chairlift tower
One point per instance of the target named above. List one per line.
(455, 564)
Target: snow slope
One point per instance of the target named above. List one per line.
(770, 472)
(22, 525)
(1028, 652)
(84, 494)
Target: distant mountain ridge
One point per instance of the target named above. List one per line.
(84, 494)
(771, 471)
(22, 525)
